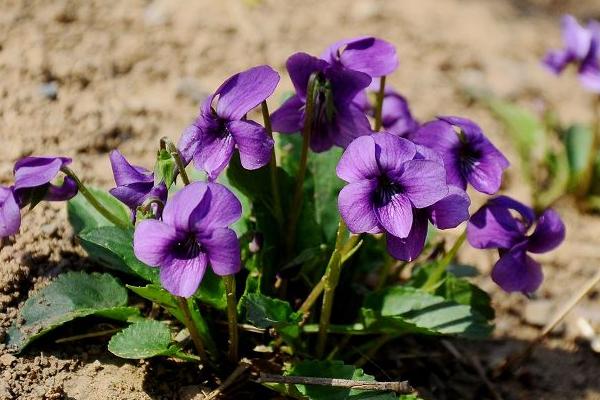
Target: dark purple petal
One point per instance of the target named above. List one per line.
(300, 66)
(423, 182)
(152, 242)
(358, 161)
(223, 250)
(355, 205)
(253, 143)
(409, 248)
(245, 90)
(37, 171)
(527, 215)
(289, 118)
(322, 138)
(350, 123)
(493, 226)
(134, 194)
(10, 215)
(125, 173)
(450, 211)
(188, 143)
(223, 209)
(66, 191)
(548, 234)
(186, 207)
(181, 277)
(557, 60)
(213, 153)
(515, 271)
(395, 215)
(346, 84)
(589, 71)
(392, 151)
(396, 116)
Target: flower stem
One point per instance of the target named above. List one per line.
(192, 329)
(332, 276)
(440, 268)
(379, 104)
(165, 143)
(299, 189)
(93, 201)
(272, 165)
(232, 317)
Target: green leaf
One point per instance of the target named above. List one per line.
(266, 312)
(403, 309)
(112, 247)
(164, 169)
(212, 290)
(71, 295)
(464, 292)
(146, 339)
(83, 215)
(579, 142)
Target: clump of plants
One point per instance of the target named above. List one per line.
(289, 241)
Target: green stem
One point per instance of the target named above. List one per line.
(192, 329)
(272, 165)
(299, 189)
(440, 268)
(93, 201)
(232, 317)
(165, 143)
(379, 104)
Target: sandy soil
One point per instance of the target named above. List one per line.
(81, 78)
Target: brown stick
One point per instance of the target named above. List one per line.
(231, 379)
(401, 387)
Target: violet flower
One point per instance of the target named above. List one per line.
(33, 177)
(388, 182)
(193, 233)
(581, 48)
(223, 126)
(134, 184)
(469, 157)
(336, 119)
(495, 227)
(396, 117)
(374, 57)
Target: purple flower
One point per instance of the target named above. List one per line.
(134, 184)
(33, 177)
(374, 57)
(469, 157)
(192, 234)
(336, 119)
(211, 139)
(389, 183)
(396, 117)
(494, 226)
(581, 48)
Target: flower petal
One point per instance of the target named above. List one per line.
(346, 84)
(186, 207)
(548, 234)
(372, 56)
(37, 171)
(358, 161)
(152, 242)
(423, 182)
(188, 143)
(245, 90)
(125, 173)
(392, 151)
(182, 277)
(223, 250)
(10, 215)
(452, 210)
(223, 209)
(556, 61)
(396, 116)
(253, 143)
(300, 66)
(396, 216)
(289, 118)
(355, 204)
(575, 37)
(213, 153)
(493, 226)
(66, 191)
(410, 247)
(350, 123)
(515, 271)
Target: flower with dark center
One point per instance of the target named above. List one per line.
(222, 125)
(505, 224)
(336, 120)
(194, 232)
(468, 156)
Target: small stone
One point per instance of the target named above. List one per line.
(49, 90)
(191, 88)
(97, 365)
(539, 312)
(7, 359)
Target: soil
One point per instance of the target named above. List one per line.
(82, 78)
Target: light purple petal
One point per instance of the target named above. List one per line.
(350, 123)
(152, 242)
(589, 71)
(253, 143)
(188, 143)
(223, 209)
(392, 151)
(548, 234)
(515, 271)
(423, 182)
(37, 171)
(187, 206)
(223, 250)
(300, 66)
(214, 152)
(452, 210)
(125, 173)
(409, 248)
(245, 90)
(358, 161)
(575, 37)
(182, 277)
(396, 215)
(485, 177)
(10, 215)
(372, 56)
(355, 204)
(66, 191)
(396, 116)
(289, 118)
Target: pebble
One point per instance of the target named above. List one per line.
(539, 312)
(49, 90)
(7, 359)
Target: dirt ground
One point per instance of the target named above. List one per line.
(79, 78)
